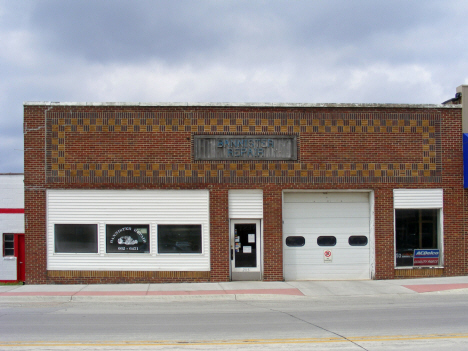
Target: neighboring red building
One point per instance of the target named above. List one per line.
(12, 260)
(118, 192)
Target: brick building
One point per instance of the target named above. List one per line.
(119, 192)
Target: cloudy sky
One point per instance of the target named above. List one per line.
(316, 51)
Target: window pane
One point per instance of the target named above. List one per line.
(127, 238)
(357, 240)
(9, 252)
(245, 238)
(181, 238)
(76, 238)
(407, 229)
(414, 229)
(429, 236)
(8, 245)
(295, 241)
(326, 241)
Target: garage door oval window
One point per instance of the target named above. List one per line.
(326, 241)
(295, 241)
(357, 240)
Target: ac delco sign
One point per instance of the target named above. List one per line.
(245, 147)
(427, 257)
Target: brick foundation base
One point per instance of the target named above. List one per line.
(419, 272)
(110, 277)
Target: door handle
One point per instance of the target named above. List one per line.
(232, 254)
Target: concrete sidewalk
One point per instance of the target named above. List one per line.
(232, 290)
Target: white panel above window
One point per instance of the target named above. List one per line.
(418, 198)
(245, 204)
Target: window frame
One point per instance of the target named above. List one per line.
(179, 253)
(4, 246)
(327, 236)
(122, 226)
(295, 236)
(75, 253)
(420, 199)
(358, 245)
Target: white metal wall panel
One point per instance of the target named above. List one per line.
(418, 198)
(12, 191)
(339, 214)
(245, 204)
(150, 207)
(8, 268)
(12, 223)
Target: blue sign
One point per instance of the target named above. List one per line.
(465, 160)
(426, 253)
(427, 257)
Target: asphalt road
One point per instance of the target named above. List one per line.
(433, 321)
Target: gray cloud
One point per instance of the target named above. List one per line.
(174, 31)
(123, 31)
(226, 51)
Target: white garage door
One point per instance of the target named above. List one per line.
(326, 236)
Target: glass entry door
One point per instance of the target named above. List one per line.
(245, 250)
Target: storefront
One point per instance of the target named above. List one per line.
(217, 192)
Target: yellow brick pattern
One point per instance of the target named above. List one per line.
(63, 124)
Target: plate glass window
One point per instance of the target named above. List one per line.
(415, 229)
(179, 238)
(245, 245)
(76, 238)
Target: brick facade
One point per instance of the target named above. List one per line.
(371, 147)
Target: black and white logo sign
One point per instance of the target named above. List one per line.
(127, 238)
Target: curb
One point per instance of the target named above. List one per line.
(121, 298)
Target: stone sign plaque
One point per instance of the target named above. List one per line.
(245, 147)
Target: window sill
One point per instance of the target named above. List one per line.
(425, 267)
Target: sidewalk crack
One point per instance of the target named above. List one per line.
(310, 323)
(76, 292)
(325, 329)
